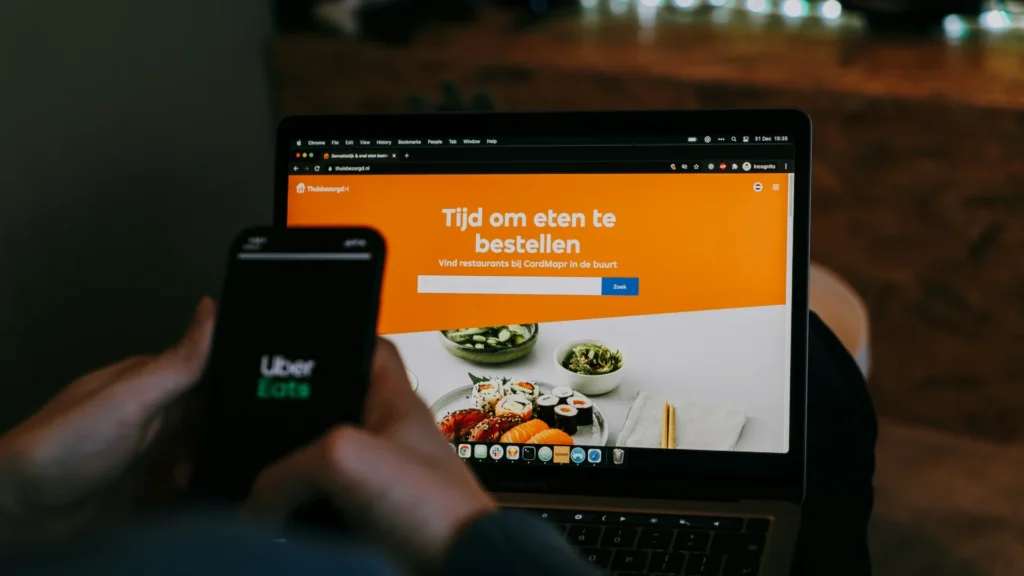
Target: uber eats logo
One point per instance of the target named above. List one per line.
(284, 379)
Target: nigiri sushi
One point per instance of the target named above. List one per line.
(523, 432)
(491, 429)
(552, 436)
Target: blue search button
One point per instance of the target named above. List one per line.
(620, 286)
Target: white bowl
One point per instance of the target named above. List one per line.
(583, 383)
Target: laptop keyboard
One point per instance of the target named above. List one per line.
(625, 544)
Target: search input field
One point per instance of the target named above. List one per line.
(529, 285)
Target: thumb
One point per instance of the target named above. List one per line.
(192, 351)
(335, 466)
(178, 368)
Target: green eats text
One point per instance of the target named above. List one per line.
(277, 390)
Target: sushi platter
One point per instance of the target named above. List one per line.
(519, 411)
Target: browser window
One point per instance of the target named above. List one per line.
(576, 303)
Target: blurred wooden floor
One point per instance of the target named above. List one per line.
(947, 506)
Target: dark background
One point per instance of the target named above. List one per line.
(136, 140)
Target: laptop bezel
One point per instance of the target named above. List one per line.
(709, 476)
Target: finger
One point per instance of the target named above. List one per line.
(395, 411)
(333, 467)
(391, 398)
(152, 386)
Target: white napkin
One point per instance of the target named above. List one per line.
(698, 426)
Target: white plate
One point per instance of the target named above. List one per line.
(413, 380)
(460, 398)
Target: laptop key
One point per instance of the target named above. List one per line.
(549, 515)
(728, 543)
(758, 525)
(599, 557)
(630, 560)
(703, 565)
(584, 535)
(666, 563)
(693, 522)
(725, 524)
(579, 517)
(655, 539)
(741, 565)
(618, 537)
(651, 520)
(692, 541)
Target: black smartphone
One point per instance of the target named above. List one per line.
(292, 350)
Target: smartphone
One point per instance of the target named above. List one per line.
(292, 350)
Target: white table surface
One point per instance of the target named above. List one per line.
(723, 358)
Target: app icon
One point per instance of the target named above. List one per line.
(464, 450)
(746, 166)
(561, 454)
(594, 455)
(544, 453)
(578, 455)
(480, 451)
(758, 187)
(512, 452)
(529, 452)
(497, 452)
(618, 455)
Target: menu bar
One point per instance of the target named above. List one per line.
(475, 141)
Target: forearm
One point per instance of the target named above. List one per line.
(512, 543)
(21, 523)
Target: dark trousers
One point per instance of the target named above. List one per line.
(842, 430)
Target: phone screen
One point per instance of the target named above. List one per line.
(292, 350)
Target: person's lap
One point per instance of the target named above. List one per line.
(842, 430)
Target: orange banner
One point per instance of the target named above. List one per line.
(694, 242)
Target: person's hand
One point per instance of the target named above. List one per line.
(75, 457)
(397, 476)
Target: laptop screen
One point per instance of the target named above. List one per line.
(593, 302)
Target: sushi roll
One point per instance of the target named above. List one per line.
(523, 388)
(514, 406)
(546, 409)
(584, 409)
(565, 418)
(486, 395)
(563, 393)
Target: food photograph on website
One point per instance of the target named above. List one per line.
(578, 317)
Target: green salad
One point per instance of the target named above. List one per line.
(592, 360)
(491, 337)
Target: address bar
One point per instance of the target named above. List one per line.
(529, 285)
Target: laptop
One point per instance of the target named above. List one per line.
(605, 311)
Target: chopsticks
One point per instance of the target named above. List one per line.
(668, 427)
